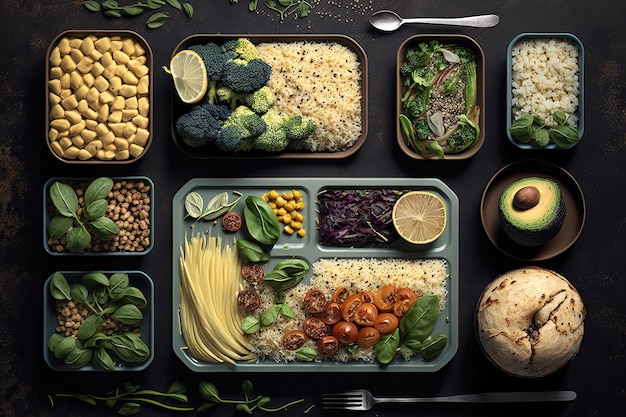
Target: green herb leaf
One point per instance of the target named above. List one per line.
(96, 340)
(419, 322)
(64, 199)
(177, 386)
(59, 287)
(92, 6)
(129, 409)
(559, 117)
(251, 251)
(104, 228)
(98, 189)
(155, 4)
(194, 204)
(118, 283)
(79, 292)
(261, 222)
(110, 5)
(269, 315)
(252, 4)
(247, 387)
(564, 135)
(127, 314)
(541, 137)
(250, 325)
(93, 279)
(92, 325)
(306, 353)
(287, 311)
(385, 349)
(157, 20)
(129, 347)
(78, 358)
(434, 345)
(64, 347)
(78, 238)
(102, 360)
(59, 226)
(134, 296)
(521, 129)
(188, 8)
(53, 341)
(175, 4)
(209, 392)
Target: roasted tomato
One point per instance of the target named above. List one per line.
(366, 314)
(331, 313)
(400, 308)
(345, 332)
(367, 336)
(252, 272)
(368, 297)
(293, 340)
(340, 295)
(315, 328)
(386, 323)
(314, 301)
(406, 294)
(349, 307)
(386, 297)
(231, 221)
(328, 345)
(248, 300)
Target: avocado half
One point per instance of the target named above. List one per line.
(531, 210)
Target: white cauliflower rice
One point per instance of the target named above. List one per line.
(545, 78)
(424, 276)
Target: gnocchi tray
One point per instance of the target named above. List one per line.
(312, 249)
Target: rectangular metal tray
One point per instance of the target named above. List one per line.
(308, 247)
(178, 108)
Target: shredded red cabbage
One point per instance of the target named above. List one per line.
(357, 217)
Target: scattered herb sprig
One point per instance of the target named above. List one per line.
(215, 208)
(131, 398)
(77, 229)
(112, 8)
(284, 8)
(529, 128)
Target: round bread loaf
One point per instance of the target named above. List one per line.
(530, 321)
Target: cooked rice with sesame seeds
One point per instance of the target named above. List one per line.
(322, 81)
(424, 276)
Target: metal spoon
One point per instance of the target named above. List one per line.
(388, 21)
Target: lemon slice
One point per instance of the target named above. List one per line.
(190, 77)
(419, 217)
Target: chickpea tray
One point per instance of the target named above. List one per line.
(104, 216)
(265, 289)
(440, 97)
(114, 334)
(99, 97)
(545, 91)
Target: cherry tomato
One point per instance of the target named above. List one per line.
(366, 314)
(340, 295)
(252, 272)
(349, 307)
(386, 323)
(407, 294)
(314, 301)
(400, 308)
(386, 297)
(248, 300)
(331, 313)
(328, 345)
(293, 340)
(232, 221)
(315, 328)
(368, 297)
(367, 336)
(345, 332)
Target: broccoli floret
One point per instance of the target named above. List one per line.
(202, 124)
(214, 58)
(422, 130)
(298, 128)
(465, 54)
(227, 95)
(243, 47)
(274, 139)
(464, 136)
(260, 101)
(246, 77)
(242, 124)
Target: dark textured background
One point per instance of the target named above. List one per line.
(593, 264)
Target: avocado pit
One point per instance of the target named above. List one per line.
(526, 197)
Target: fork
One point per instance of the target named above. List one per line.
(360, 400)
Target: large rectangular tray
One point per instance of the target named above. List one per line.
(308, 247)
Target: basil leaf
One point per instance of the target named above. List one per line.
(101, 359)
(110, 4)
(127, 314)
(541, 137)
(64, 347)
(419, 322)
(247, 387)
(521, 129)
(53, 341)
(79, 293)
(287, 311)
(252, 4)
(306, 353)
(96, 340)
(261, 222)
(177, 386)
(118, 283)
(103, 228)
(157, 20)
(129, 347)
(175, 4)
(250, 325)
(155, 4)
(92, 325)
(64, 199)
(434, 345)
(385, 349)
(270, 315)
(413, 344)
(564, 135)
(93, 279)
(59, 287)
(78, 238)
(209, 392)
(78, 358)
(134, 296)
(132, 10)
(251, 251)
(112, 13)
(98, 189)
(59, 226)
(559, 117)
(129, 409)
